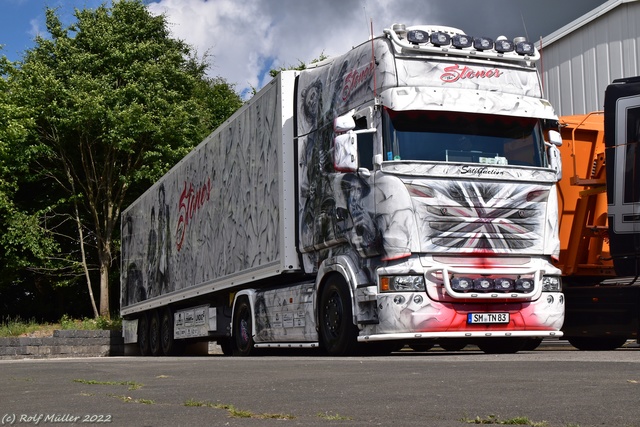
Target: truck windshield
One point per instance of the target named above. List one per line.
(462, 137)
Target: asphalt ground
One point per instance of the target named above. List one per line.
(555, 385)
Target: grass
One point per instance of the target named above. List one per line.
(333, 417)
(132, 384)
(18, 327)
(237, 413)
(516, 421)
(129, 399)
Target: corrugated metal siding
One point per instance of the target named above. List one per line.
(577, 67)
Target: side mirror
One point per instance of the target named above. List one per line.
(555, 138)
(344, 123)
(345, 152)
(555, 161)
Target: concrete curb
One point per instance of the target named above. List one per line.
(64, 343)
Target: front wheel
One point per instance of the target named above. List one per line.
(532, 344)
(338, 334)
(242, 339)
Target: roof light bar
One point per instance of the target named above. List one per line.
(437, 39)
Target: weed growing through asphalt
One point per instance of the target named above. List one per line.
(129, 399)
(132, 384)
(516, 421)
(237, 413)
(333, 417)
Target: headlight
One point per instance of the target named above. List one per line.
(551, 284)
(402, 283)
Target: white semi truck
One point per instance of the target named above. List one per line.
(402, 193)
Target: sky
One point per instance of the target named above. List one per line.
(244, 39)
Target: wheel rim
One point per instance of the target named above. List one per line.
(166, 334)
(244, 326)
(143, 335)
(333, 315)
(154, 335)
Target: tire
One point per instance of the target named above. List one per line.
(155, 346)
(338, 334)
(143, 335)
(452, 345)
(170, 346)
(597, 343)
(501, 345)
(532, 344)
(242, 339)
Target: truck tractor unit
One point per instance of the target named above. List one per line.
(403, 193)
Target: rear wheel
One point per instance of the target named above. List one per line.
(154, 334)
(143, 335)
(501, 345)
(170, 346)
(242, 339)
(338, 334)
(597, 343)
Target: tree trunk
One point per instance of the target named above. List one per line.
(104, 289)
(104, 258)
(85, 267)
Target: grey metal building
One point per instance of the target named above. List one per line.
(580, 59)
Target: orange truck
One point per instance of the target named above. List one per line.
(599, 220)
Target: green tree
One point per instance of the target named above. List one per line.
(22, 241)
(301, 65)
(116, 102)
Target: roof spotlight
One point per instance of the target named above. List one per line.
(438, 38)
(503, 45)
(482, 43)
(525, 48)
(417, 36)
(460, 41)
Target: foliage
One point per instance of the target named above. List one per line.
(301, 65)
(13, 327)
(112, 103)
(98, 323)
(23, 241)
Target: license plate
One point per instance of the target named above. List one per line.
(488, 318)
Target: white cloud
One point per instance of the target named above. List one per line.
(34, 28)
(247, 38)
(226, 30)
